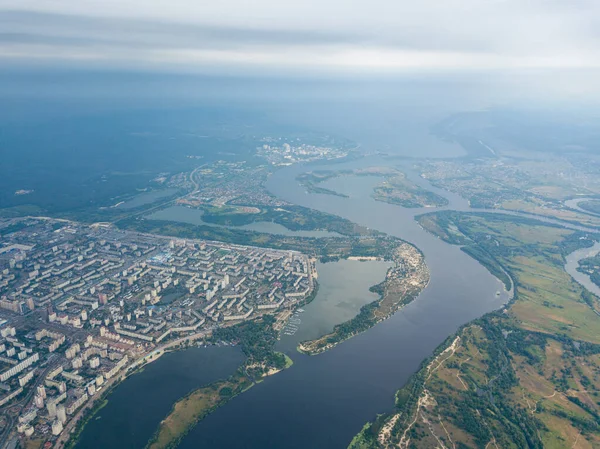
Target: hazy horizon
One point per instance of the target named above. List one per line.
(509, 50)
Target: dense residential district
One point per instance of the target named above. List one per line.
(83, 306)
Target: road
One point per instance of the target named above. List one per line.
(69, 427)
(17, 407)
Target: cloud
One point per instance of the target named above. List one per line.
(312, 35)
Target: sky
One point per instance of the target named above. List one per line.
(308, 36)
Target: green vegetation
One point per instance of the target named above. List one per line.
(189, 410)
(295, 218)
(341, 332)
(403, 283)
(111, 214)
(16, 227)
(397, 189)
(488, 261)
(76, 433)
(312, 179)
(495, 383)
(365, 439)
(591, 267)
(257, 340)
(528, 376)
(325, 248)
(87, 160)
(523, 183)
(533, 254)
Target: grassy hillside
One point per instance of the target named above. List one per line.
(524, 377)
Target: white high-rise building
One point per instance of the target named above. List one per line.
(51, 406)
(39, 401)
(61, 414)
(57, 427)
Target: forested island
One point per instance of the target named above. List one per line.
(402, 284)
(395, 187)
(257, 340)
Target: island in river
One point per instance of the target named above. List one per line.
(492, 247)
(591, 267)
(395, 187)
(257, 339)
(343, 239)
(402, 284)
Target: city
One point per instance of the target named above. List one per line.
(84, 306)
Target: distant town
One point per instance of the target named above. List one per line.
(284, 153)
(83, 306)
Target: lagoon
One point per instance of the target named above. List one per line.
(184, 214)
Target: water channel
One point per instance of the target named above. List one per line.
(573, 263)
(194, 216)
(323, 401)
(574, 204)
(136, 406)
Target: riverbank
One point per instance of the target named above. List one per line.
(257, 340)
(403, 284)
(314, 394)
(535, 363)
(395, 187)
(192, 408)
(70, 435)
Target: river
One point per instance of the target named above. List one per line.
(194, 216)
(136, 406)
(343, 290)
(574, 204)
(324, 400)
(582, 278)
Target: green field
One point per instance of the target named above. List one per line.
(527, 376)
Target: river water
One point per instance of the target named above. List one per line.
(574, 204)
(343, 290)
(184, 214)
(324, 400)
(573, 262)
(136, 406)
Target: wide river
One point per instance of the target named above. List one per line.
(323, 401)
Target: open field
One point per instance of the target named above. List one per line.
(188, 411)
(524, 183)
(591, 266)
(527, 376)
(496, 386)
(294, 218)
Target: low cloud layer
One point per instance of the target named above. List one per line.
(313, 35)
